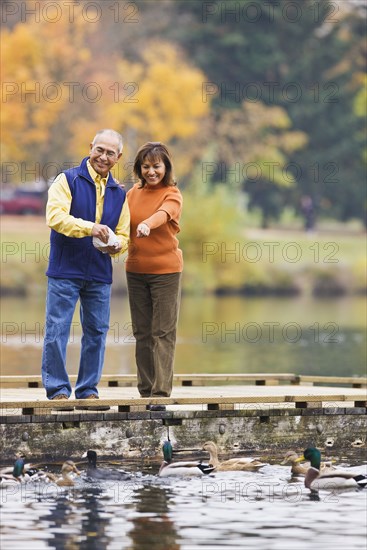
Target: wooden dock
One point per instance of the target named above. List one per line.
(258, 410)
(26, 395)
(259, 379)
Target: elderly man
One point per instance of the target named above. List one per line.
(84, 203)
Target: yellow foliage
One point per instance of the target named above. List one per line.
(164, 99)
(59, 90)
(361, 98)
(256, 133)
(40, 57)
(157, 99)
(206, 242)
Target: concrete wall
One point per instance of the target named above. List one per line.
(140, 434)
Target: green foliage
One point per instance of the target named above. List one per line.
(309, 66)
(220, 255)
(360, 103)
(211, 225)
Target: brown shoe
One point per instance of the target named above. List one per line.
(62, 397)
(93, 407)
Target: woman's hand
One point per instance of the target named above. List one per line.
(143, 230)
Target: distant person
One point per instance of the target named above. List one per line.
(307, 208)
(84, 205)
(153, 269)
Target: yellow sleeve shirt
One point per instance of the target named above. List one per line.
(58, 211)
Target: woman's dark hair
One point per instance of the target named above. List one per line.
(154, 151)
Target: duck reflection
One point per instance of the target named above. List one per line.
(78, 525)
(60, 520)
(95, 522)
(156, 531)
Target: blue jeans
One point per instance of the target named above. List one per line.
(62, 296)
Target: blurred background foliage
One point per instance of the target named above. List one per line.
(262, 104)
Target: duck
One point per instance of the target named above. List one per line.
(21, 472)
(18, 469)
(329, 478)
(297, 469)
(28, 472)
(103, 473)
(14, 474)
(240, 463)
(181, 468)
(67, 469)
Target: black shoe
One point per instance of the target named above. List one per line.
(156, 408)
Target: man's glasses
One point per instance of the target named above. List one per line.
(109, 154)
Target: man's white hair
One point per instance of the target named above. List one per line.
(112, 133)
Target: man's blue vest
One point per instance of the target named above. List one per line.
(72, 258)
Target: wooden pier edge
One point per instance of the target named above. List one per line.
(125, 405)
(194, 379)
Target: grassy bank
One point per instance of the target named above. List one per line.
(259, 262)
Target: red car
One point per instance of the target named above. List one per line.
(19, 201)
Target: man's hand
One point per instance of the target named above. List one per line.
(101, 231)
(114, 249)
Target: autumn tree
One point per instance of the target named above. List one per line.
(43, 79)
(60, 87)
(305, 57)
(157, 98)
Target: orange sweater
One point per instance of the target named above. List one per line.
(158, 253)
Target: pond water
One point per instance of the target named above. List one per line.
(221, 335)
(266, 510)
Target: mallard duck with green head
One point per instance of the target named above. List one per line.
(21, 472)
(181, 468)
(328, 478)
(14, 474)
(28, 472)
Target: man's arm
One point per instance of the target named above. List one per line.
(58, 215)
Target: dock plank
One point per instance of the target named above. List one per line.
(194, 379)
(33, 399)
